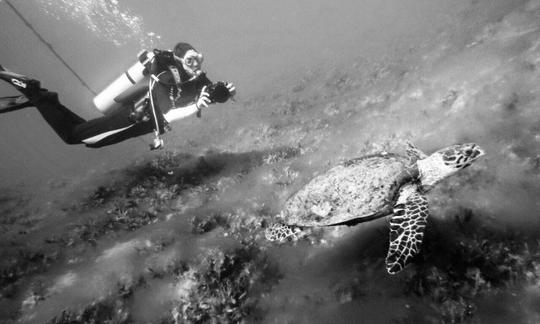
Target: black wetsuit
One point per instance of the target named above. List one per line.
(109, 129)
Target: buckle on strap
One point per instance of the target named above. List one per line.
(175, 73)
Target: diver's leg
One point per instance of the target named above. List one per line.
(61, 119)
(107, 130)
(131, 132)
(111, 129)
(23, 84)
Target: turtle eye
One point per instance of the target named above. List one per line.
(449, 157)
(468, 152)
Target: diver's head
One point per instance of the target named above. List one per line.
(189, 58)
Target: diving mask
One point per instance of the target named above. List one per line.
(192, 60)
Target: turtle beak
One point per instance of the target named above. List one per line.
(478, 152)
(473, 151)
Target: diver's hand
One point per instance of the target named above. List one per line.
(204, 99)
(231, 88)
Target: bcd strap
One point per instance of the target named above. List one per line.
(176, 75)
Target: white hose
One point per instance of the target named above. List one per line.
(158, 141)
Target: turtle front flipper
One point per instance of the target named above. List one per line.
(414, 153)
(280, 232)
(406, 228)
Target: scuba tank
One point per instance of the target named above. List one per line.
(114, 95)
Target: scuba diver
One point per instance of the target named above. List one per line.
(163, 86)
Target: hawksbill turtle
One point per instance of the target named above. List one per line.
(375, 186)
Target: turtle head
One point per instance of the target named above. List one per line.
(447, 161)
(461, 156)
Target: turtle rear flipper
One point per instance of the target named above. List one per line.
(406, 228)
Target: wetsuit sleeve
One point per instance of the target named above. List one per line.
(180, 113)
(187, 107)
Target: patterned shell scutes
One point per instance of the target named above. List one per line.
(362, 188)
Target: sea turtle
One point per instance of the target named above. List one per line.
(371, 187)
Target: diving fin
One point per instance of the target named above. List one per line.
(13, 103)
(24, 84)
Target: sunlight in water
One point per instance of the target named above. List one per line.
(105, 18)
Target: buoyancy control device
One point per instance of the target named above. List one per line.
(133, 87)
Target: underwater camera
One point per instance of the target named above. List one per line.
(218, 92)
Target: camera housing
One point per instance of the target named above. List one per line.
(218, 92)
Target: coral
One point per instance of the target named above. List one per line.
(107, 310)
(463, 259)
(225, 287)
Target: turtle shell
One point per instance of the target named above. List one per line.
(355, 191)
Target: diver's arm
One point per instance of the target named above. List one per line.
(180, 113)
